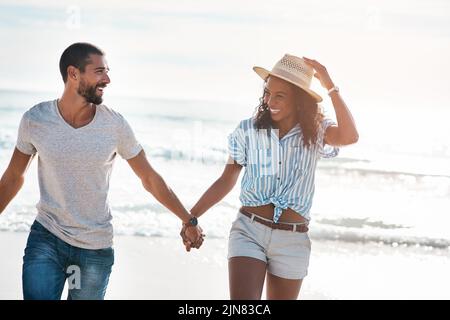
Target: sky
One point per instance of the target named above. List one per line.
(378, 52)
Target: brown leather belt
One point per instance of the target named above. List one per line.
(297, 227)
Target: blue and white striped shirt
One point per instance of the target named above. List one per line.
(277, 171)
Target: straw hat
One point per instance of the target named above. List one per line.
(294, 70)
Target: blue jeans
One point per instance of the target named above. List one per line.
(49, 262)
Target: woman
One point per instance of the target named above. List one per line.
(279, 148)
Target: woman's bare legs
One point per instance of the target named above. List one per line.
(282, 289)
(246, 276)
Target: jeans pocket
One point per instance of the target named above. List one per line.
(41, 245)
(37, 227)
(38, 231)
(99, 257)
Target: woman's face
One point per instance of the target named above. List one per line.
(279, 96)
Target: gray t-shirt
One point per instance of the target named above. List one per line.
(74, 169)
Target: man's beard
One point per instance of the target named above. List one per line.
(89, 93)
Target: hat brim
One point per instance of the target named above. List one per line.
(264, 73)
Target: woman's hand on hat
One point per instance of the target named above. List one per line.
(321, 73)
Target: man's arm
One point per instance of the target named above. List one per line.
(155, 184)
(13, 178)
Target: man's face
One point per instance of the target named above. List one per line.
(94, 79)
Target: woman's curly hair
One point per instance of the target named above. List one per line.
(308, 110)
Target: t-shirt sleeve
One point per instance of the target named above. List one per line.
(128, 146)
(237, 147)
(24, 143)
(325, 150)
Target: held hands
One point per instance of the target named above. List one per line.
(321, 73)
(192, 236)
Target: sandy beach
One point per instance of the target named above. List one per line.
(159, 268)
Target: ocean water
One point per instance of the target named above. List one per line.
(392, 188)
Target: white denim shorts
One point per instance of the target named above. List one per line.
(286, 253)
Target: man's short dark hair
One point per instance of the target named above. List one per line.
(77, 55)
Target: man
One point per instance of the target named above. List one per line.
(77, 140)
